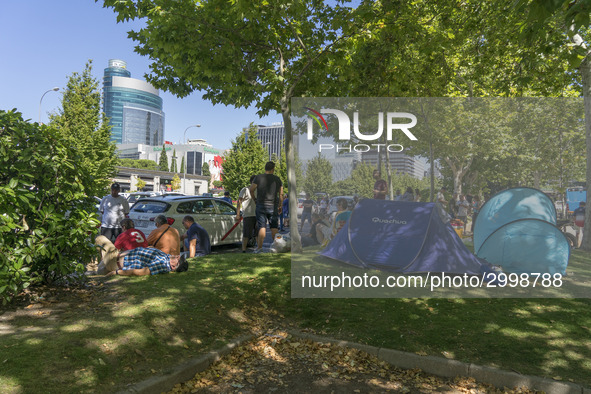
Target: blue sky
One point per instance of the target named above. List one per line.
(42, 42)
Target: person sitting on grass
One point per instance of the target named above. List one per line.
(129, 239)
(317, 231)
(149, 261)
(342, 215)
(165, 237)
(196, 239)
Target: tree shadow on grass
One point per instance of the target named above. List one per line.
(129, 329)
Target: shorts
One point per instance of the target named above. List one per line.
(264, 214)
(248, 226)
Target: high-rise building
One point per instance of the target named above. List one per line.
(272, 138)
(134, 107)
(400, 163)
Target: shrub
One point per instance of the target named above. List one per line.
(47, 220)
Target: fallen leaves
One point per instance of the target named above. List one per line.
(276, 361)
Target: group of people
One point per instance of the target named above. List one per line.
(380, 190)
(460, 206)
(324, 228)
(127, 251)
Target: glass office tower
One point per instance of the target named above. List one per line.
(133, 107)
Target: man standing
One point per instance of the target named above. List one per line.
(165, 237)
(247, 204)
(463, 207)
(268, 205)
(307, 211)
(441, 203)
(579, 216)
(196, 239)
(114, 209)
(380, 186)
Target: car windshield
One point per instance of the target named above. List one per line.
(150, 206)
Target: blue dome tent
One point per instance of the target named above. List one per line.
(516, 229)
(402, 237)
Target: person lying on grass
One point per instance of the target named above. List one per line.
(149, 261)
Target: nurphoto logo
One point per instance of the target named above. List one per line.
(392, 120)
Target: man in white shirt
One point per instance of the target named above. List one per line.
(248, 205)
(114, 209)
(463, 207)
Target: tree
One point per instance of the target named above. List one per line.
(318, 178)
(281, 169)
(163, 162)
(571, 20)
(141, 164)
(247, 157)
(183, 164)
(257, 53)
(176, 182)
(84, 126)
(205, 169)
(140, 184)
(173, 167)
(48, 215)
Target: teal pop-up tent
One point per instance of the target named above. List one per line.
(516, 229)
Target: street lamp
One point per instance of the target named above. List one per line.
(50, 90)
(185, 133)
(186, 157)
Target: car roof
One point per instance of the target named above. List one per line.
(176, 197)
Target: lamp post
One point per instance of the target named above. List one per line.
(186, 157)
(50, 90)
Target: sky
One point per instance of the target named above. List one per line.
(43, 42)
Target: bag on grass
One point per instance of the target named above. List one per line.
(281, 243)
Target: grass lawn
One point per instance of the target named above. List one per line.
(122, 330)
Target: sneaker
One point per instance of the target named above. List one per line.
(257, 251)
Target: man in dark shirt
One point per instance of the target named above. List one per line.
(268, 204)
(196, 238)
(379, 188)
(307, 211)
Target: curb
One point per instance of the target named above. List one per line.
(451, 368)
(430, 364)
(183, 372)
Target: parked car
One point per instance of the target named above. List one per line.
(215, 215)
(135, 196)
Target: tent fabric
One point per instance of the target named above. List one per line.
(508, 206)
(527, 246)
(516, 230)
(402, 237)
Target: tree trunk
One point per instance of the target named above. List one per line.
(585, 70)
(296, 243)
(389, 171)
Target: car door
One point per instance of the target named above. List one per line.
(203, 212)
(225, 220)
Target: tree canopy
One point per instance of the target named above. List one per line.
(85, 127)
(247, 157)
